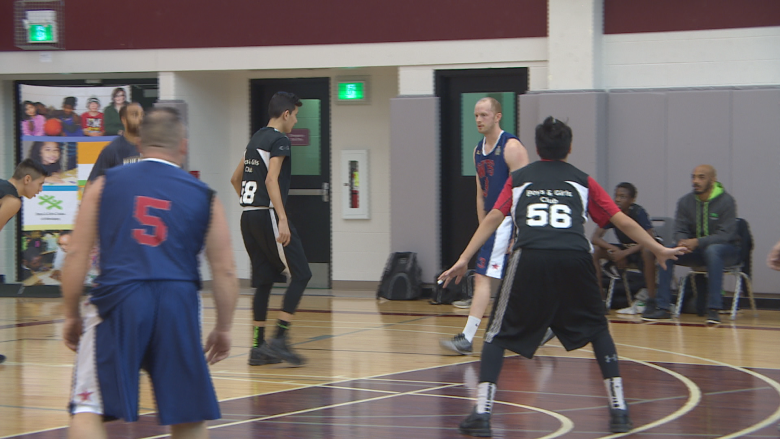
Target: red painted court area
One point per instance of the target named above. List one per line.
(545, 397)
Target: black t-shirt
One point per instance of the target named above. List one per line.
(636, 213)
(267, 142)
(118, 152)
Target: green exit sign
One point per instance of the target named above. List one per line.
(41, 33)
(352, 91)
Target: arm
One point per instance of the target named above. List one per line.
(486, 228)
(480, 201)
(515, 155)
(9, 205)
(275, 194)
(237, 177)
(598, 240)
(77, 262)
(225, 284)
(641, 237)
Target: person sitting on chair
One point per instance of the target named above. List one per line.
(706, 224)
(628, 251)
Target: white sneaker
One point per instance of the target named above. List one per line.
(637, 308)
(465, 303)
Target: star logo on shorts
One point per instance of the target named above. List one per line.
(495, 266)
(85, 396)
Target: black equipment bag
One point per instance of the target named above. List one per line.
(453, 292)
(402, 278)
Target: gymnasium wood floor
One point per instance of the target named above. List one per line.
(375, 370)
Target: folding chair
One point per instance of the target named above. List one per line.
(741, 271)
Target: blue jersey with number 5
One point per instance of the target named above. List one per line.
(152, 225)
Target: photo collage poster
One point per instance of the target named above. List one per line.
(64, 129)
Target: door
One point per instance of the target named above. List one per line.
(458, 92)
(308, 203)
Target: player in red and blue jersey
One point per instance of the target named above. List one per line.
(151, 219)
(495, 156)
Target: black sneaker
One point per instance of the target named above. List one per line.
(279, 348)
(619, 421)
(457, 344)
(650, 306)
(258, 358)
(477, 424)
(712, 317)
(2, 359)
(657, 315)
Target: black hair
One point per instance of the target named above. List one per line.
(282, 101)
(70, 100)
(629, 187)
(553, 139)
(29, 167)
(35, 155)
(26, 116)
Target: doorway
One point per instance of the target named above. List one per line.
(308, 204)
(458, 92)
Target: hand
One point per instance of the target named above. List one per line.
(690, 244)
(284, 233)
(456, 271)
(71, 332)
(773, 258)
(669, 253)
(217, 346)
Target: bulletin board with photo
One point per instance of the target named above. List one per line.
(64, 129)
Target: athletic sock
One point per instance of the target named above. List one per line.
(615, 393)
(281, 328)
(486, 393)
(258, 336)
(471, 328)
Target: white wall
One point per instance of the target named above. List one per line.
(360, 247)
(749, 56)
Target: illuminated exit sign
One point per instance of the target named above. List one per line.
(352, 90)
(41, 33)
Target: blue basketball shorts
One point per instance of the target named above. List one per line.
(493, 255)
(156, 327)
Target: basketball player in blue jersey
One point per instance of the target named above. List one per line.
(151, 220)
(495, 156)
(262, 182)
(550, 280)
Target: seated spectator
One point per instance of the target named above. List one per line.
(628, 251)
(706, 224)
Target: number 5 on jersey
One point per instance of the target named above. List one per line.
(248, 189)
(141, 213)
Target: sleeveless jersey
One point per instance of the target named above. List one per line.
(6, 188)
(267, 142)
(152, 225)
(492, 169)
(550, 202)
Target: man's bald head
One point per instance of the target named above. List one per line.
(703, 179)
(162, 128)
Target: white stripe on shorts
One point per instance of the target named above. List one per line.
(503, 297)
(279, 246)
(504, 232)
(85, 395)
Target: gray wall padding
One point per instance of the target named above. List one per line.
(654, 139)
(414, 186)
